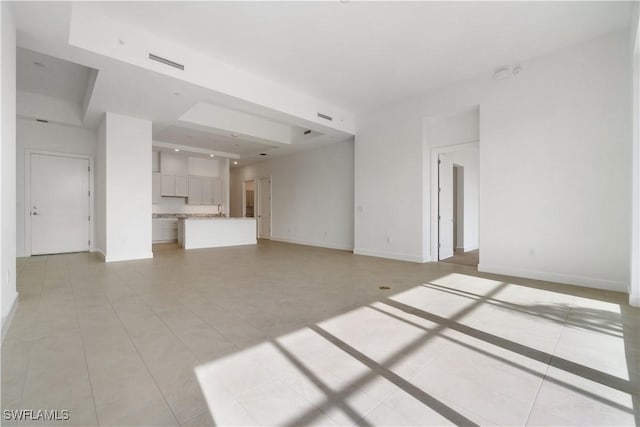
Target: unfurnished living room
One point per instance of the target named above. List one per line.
(320, 213)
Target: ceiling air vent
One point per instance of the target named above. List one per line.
(307, 132)
(166, 61)
(324, 116)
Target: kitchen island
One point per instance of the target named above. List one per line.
(214, 232)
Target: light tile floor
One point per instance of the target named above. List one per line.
(289, 335)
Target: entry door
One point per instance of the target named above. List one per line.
(264, 206)
(59, 208)
(445, 207)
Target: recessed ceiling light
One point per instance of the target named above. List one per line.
(235, 135)
(176, 149)
(212, 155)
(235, 163)
(39, 64)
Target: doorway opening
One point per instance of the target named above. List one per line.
(264, 208)
(248, 199)
(453, 138)
(457, 204)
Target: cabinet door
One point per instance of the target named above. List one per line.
(218, 191)
(156, 183)
(156, 229)
(207, 190)
(195, 190)
(182, 186)
(168, 185)
(170, 229)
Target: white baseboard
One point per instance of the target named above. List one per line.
(547, 276)
(6, 321)
(316, 244)
(634, 300)
(392, 255)
(128, 257)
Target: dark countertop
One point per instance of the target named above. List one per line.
(185, 215)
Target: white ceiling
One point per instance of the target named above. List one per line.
(355, 55)
(362, 54)
(50, 76)
(206, 140)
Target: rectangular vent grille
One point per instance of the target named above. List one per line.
(307, 132)
(166, 61)
(324, 116)
(42, 120)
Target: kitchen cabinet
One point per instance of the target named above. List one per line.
(195, 190)
(156, 229)
(170, 229)
(182, 186)
(218, 191)
(205, 190)
(164, 229)
(174, 185)
(156, 183)
(168, 183)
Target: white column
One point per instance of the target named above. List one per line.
(634, 286)
(8, 165)
(124, 177)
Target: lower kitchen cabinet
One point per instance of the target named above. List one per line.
(164, 230)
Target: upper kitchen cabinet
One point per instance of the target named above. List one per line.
(168, 185)
(195, 190)
(218, 191)
(173, 172)
(205, 190)
(200, 180)
(156, 185)
(182, 186)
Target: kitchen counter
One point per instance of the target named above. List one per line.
(212, 232)
(185, 215)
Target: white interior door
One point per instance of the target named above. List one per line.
(445, 207)
(59, 208)
(264, 209)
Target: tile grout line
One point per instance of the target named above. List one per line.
(544, 377)
(26, 371)
(84, 352)
(144, 363)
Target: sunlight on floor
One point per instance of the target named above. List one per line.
(457, 350)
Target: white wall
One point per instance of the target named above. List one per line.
(101, 189)
(454, 128)
(634, 284)
(33, 135)
(554, 172)
(8, 164)
(311, 195)
(128, 188)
